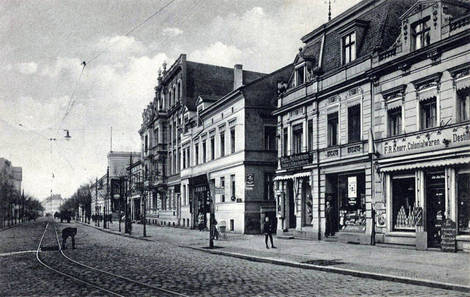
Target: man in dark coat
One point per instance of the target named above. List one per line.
(329, 219)
(268, 232)
(69, 231)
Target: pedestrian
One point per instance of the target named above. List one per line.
(216, 233)
(268, 230)
(329, 219)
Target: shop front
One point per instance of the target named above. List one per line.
(294, 202)
(199, 201)
(427, 190)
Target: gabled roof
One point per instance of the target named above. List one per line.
(210, 80)
(380, 26)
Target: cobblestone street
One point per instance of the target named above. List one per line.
(165, 265)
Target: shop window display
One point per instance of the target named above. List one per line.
(403, 202)
(351, 203)
(464, 203)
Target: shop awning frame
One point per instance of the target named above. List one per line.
(292, 176)
(426, 164)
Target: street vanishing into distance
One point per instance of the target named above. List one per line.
(124, 266)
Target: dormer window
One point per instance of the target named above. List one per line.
(349, 48)
(420, 34)
(300, 75)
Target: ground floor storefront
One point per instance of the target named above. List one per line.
(331, 201)
(427, 204)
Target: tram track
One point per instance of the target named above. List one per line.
(106, 282)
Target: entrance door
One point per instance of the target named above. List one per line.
(291, 206)
(435, 207)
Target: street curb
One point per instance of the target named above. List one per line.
(344, 271)
(114, 232)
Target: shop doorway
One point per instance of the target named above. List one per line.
(291, 224)
(346, 194)
(435, 206)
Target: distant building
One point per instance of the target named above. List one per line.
(52, 204)
(10, 184)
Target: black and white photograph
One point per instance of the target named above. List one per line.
(235, 148)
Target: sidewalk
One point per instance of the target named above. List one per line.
(429, 268)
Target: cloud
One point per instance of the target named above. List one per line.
(172, 32)
(62, 66)
(27, 68)
(218, 54)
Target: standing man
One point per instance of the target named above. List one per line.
(329, 219)
(268, 232)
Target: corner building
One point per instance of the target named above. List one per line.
(422, 128)
(324, 118)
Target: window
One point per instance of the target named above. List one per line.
(196, 153)
(310, 135)
(354, 123)
(232, 225)
(268, 186)
(184, 195)
(222, 185)
(157, 136)
(184, 158)
(403, 201)
(463, 105)
(300, 75)
(285, 143)
(297, 131)
(270, 138)
(212, 148)
(146, 143)
(463, 190)
(204, 151)
(222, 143)
(394, 121)
(420, 34)
(333, 129)
(188, 158)
(428, 113)
(232, 140)
(232, 189)
(349, 48)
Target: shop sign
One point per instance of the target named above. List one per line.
(250, 181)
(296, 161)
(448, 236)
(438, 139)
(352, 188)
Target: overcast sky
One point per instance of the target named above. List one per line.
(44, 42)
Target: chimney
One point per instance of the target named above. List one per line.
(237, 76)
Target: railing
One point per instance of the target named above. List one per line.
(459, 23)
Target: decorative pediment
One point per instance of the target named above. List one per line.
(393, 93)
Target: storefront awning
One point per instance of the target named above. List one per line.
(292, 176)
(436, 163)
(462, 83)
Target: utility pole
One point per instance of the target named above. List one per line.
(106, 198)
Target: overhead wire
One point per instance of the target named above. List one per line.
(135, 27)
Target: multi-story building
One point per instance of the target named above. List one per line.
(10, 190)
(52, 204)
(421, 115)
(229, 145)
(324, 117)
(374, 127)
(135, 192)
(107, 193)
(176, 93)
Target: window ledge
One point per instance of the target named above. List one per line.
(463, 237)
(401, 234)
